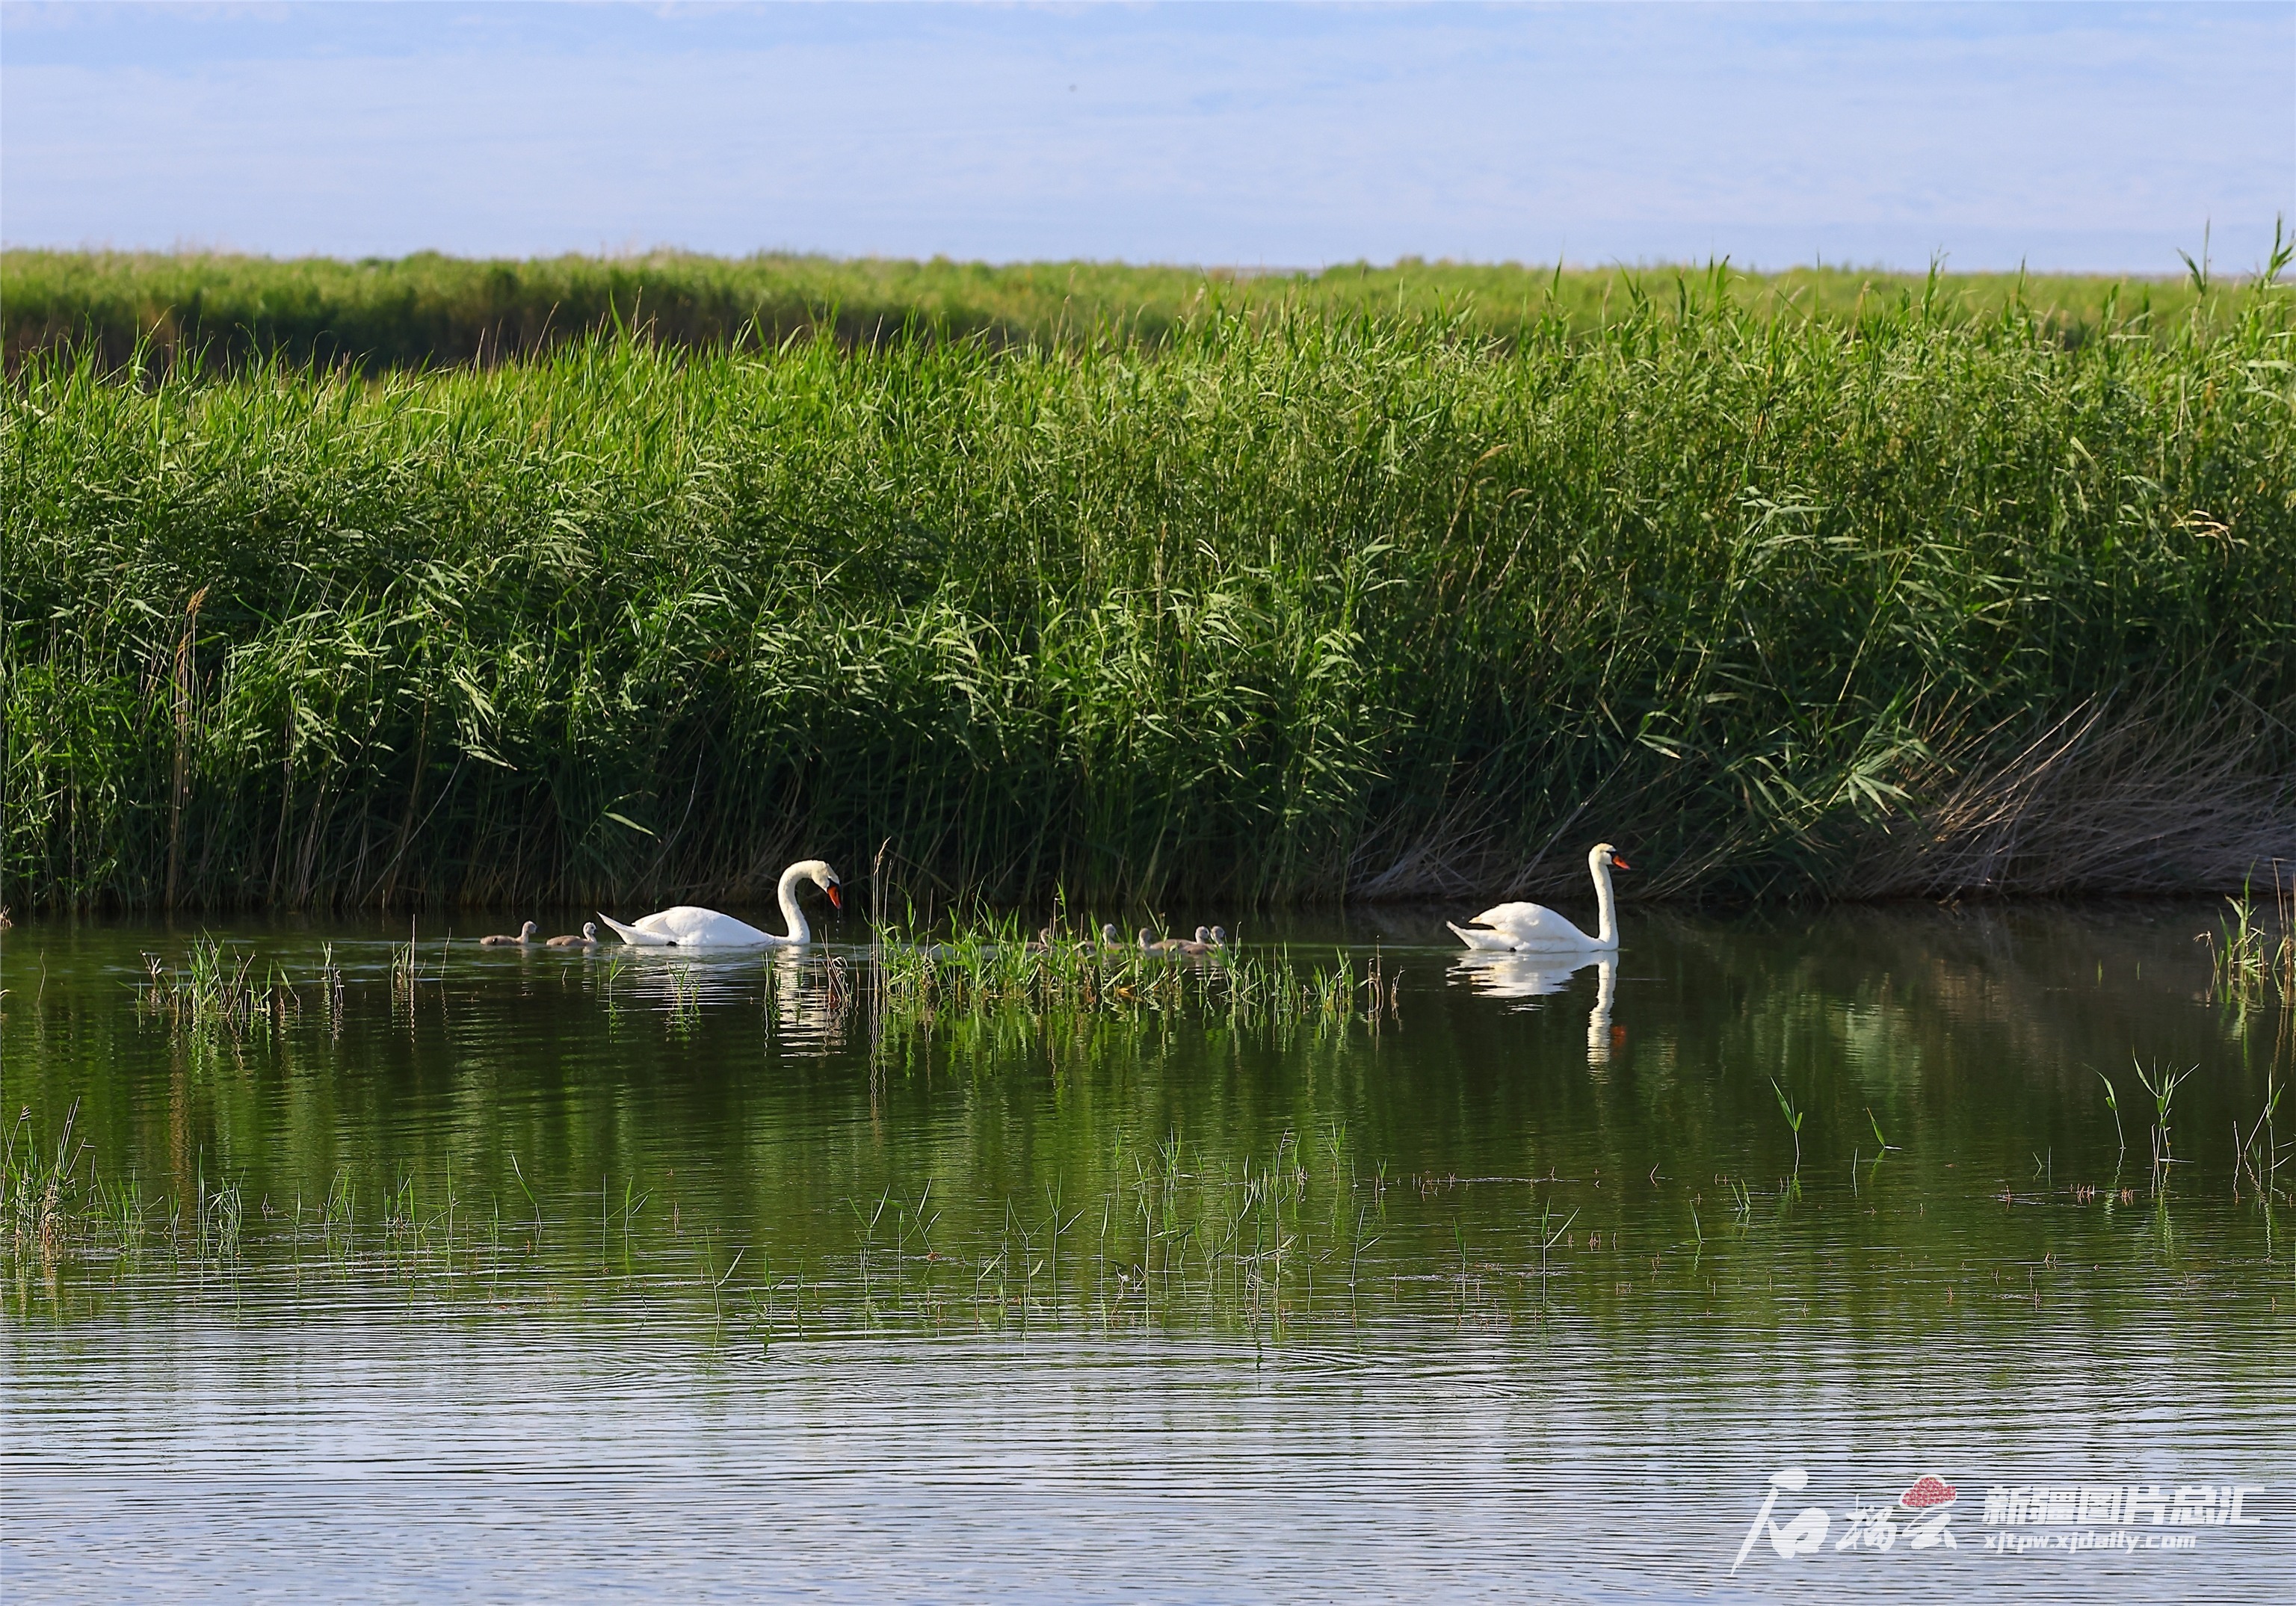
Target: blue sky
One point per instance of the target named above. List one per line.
(2062, 135)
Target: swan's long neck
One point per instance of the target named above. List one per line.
(1606, 928)
(793, 917)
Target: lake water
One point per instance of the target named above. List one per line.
(580, 1276)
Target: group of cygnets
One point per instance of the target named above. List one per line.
(530, 933)
(1206, 940)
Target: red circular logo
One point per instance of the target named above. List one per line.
(1929, 1492)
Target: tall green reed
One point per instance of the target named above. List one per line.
(1287, 607)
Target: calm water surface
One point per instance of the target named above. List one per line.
(584, 1275)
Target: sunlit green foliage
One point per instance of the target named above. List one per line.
(1281, 608)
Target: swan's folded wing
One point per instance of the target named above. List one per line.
(1532, 926)
(707, 929)
(637, 937)
(1481, 940)
(1515, 917)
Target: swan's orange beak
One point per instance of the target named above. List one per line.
(1618, 864)
(835, 902)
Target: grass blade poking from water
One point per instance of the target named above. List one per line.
(2112, 1102)
(1282, 607)
(1793, 1120)
(2161, 1083)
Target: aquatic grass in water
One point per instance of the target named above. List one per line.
(990, 966)
(2249, 966)
(1292, 609)
(215, 987)
(56, 1206)
(2112, 1102)
(2161, 1083)
(1793, 1120)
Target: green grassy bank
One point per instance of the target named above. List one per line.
(1292, 607)
(430, 309)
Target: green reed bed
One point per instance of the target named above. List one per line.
(427, 310)
(214, 987)
(55, 1205)
(1292, 608)
(60, 1208)
(991, 967)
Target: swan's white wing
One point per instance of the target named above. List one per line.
(637, 936)
(689, 927)
(693, 928)
(1481, 940)
(1530, 926)
(1514, 917)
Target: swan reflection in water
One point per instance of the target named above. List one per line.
(1533, 975)
(806, 1002)
(804, 1005)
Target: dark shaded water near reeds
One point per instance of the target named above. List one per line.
(576, 1275)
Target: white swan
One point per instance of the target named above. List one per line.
(687, 927)
(1520, 926)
